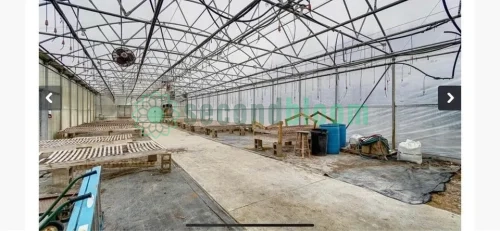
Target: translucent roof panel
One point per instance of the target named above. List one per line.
(204, 46)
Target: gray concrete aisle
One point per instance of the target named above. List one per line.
(256, 189)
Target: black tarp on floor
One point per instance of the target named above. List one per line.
(405, 183)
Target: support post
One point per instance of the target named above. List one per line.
(217, 107)
(202, 114)
(70, 102)
(254, 104)
(61, 97)
(77, 106)
(393, 104)
(44, 123)
(336, 93)
(272, 102)
(239, 108)
(227, 108)
(300, 98)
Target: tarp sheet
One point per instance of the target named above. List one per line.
(404, 183)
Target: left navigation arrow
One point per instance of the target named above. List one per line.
(48, 97)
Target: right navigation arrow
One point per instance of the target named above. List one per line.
(451, 97)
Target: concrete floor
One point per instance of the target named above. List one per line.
(256, 189)
(149, 200)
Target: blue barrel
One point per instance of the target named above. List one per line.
(342, 133)
(333, 146)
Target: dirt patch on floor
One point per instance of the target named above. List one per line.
(450, 199)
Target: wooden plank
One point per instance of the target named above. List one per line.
(321, 114)
(100, 160)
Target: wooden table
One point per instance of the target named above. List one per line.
(302, 143)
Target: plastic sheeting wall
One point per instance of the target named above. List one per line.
(417, 114)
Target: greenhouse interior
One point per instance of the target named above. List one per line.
(259, 114)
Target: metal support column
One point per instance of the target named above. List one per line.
(217, 106)
(393, 104)
(239, 105)
(187, 107)
(70, 103)
(272, 102)
(44, 123)
(300, 98)
(202, 110)
(100, 105)
(227, 106)
(88, 106)
(77, 106)
(61, 96)
(336, 95)
(254, 104)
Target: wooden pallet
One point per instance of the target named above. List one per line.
(99, 155)
(72, 143)
(102, 128)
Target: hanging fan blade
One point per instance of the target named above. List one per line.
(123, 57)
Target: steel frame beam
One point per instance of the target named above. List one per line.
(148, 40)
(332, 28)
(251, 5)
(187, 67)
(63, 16)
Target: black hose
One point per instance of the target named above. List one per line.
(456, 59)
(450, 17)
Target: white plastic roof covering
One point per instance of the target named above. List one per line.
(229, 59)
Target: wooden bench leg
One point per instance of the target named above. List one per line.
(214, 133)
